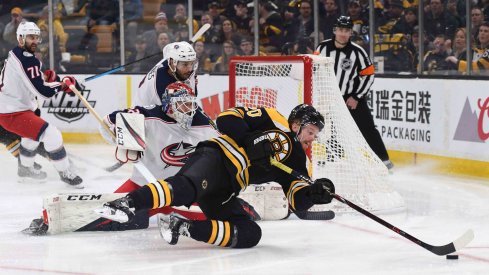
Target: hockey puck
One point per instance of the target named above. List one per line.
(452, 257)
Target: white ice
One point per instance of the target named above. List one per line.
(439, 209)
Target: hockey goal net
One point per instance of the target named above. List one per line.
(340, 153)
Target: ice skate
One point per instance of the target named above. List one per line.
(36, 228)
(71, 179)
(172, 226)
(30, 174)
(120, 210)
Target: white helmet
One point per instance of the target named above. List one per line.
(25, 28)
(179, 51)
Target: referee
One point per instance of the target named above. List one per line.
(355, 74)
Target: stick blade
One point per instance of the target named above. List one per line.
(315, 215)
(456, 245)
(200, 32)
(464, 240)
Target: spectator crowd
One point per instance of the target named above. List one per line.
(90, 31)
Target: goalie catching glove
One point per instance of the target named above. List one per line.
(259, 149)
(321, 191)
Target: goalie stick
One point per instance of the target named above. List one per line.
(441, 250)
(194, 38)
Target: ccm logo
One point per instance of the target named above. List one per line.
(90, 197)
(120, 136)
(259, 139)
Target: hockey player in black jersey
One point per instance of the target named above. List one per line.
(222, 167)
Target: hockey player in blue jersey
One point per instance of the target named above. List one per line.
(22, 82)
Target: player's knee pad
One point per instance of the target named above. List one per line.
(52, 139)
(248, 233)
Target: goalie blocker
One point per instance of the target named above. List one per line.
(76, 212)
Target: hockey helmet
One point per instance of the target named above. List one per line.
(180, 102)
(306, 114)
(344, 22)
(179, 51)
(26, 28)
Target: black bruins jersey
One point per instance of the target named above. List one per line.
(235, 124)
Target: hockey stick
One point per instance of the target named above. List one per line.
(315, 215)
(442, 250)
(194, 38)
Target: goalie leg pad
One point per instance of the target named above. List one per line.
(70, 212)
(267, 200)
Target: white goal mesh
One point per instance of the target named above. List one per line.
(340, 153)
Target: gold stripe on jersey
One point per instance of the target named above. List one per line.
(237, 156)
(220, 234)
(233, 112)
(161, 194)
(278, 119)
(294, 187)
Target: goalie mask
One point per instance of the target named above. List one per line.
(306, 114)
(180, 103)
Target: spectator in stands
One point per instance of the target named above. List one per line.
(485, 9)
(59, 30)
(9, 34)
(407, 22)
(139, 52)
(241, 18)
(181, 18)
(399, 58)
(480, 55)
(205, 64)
(476, 19)
(246, 47)
(434, 61)
(360, 24)
(162, 40)
(270, 23)
(327, 22)
(301, 27)
(390, 19)
(100, 12)
(181, 34)
(151, 36)
(222, 63)
(228, 32)
(215, 14)
(458, 47)
(42, 52)
(210, 37)
(456, 8)
(438, 21)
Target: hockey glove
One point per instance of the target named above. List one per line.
(124, 155)
(50, 76)
(67, 82)
(320, 192)
(259, 149)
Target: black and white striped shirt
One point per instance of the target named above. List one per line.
(353, 68)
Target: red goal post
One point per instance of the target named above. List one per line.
(340, 153)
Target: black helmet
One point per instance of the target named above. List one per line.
(306, 114)
(344, 22)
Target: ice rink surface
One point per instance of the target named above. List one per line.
(439, 209)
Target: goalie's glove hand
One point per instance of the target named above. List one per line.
(259, 149)
(67, 81)
(124, 155)
(320, 192)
